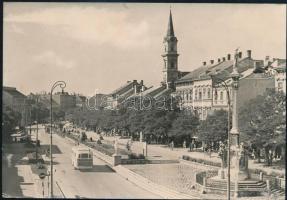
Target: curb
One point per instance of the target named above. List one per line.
(141, 181)
(151, 186)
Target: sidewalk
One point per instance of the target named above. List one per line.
(162, 152)
(17, 174)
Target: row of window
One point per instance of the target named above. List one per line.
(200, 94)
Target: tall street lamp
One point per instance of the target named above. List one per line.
(37, 98)
(213, 77)
(62, 84)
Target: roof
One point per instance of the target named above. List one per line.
(153, 91)
(170, 31)
(123, 88)
(164, 92)
(220, 69)
(13, 92)
(194, 74)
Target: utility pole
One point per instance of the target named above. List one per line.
(37, 129)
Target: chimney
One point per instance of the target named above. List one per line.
(218, 60)
(211, 61)
(223, 59)
(204, 63)
(240, 54)
(249, 53)
(135, 86)
(228, 56)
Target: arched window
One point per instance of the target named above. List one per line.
(215, 95)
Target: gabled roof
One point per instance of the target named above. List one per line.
(13, 92)
(122, 89)
(204, 72)
(153, 91)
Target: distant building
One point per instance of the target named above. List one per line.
(277, 67)
(65, 100)
(80, 100)
(46, 100)
(16, 101)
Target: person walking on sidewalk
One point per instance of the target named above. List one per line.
(184, 144)
(171, 145)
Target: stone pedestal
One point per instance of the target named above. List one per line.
(239, 164)
(222, 173)
(116, 160)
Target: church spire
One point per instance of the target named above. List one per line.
(170, 32)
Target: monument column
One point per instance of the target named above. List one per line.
(239, 158)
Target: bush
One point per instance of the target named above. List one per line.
(198, 160)
(136, 156)
(101, 138)
(99, 142)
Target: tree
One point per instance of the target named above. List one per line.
(184, 126)
(214, 128)
(10, 120)
(263, 123)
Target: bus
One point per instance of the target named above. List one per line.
(82, 157)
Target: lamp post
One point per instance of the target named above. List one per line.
(62, 84)
(37, 128)
(228, 133)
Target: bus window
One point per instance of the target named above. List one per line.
(84, 155)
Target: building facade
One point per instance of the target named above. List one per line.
(17, 101)
(65, 100)
(203, 89)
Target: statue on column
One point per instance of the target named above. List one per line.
(222, 152)
(243, 160)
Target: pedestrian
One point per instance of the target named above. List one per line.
(172, 145)
(128, 146)
(184, 144)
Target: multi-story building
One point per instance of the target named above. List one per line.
(65, 100)
(202, 90)
(277, 68)
(16, 101)
(121, 94)
(80, 100)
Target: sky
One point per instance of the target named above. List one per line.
(97, 47)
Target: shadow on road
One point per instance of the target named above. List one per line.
(10, 179)
(99, 168)
(55, 148)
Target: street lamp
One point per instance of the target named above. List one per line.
(37, 98)
(228, 132)
(62, 84)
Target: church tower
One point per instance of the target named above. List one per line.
(170, 69)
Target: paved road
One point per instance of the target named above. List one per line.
(100, 182)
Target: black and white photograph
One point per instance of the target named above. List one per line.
(144, 100)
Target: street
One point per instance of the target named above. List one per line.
(100, 182)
